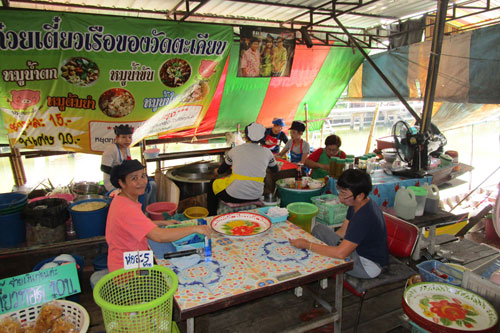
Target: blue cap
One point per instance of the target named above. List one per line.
(279, 122)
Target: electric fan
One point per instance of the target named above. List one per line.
(414, 147)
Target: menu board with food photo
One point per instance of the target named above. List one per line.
(66, 76)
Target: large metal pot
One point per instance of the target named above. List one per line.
(193, 179)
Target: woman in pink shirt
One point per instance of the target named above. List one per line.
(127, 228)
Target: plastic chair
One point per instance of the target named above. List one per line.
(401, 240)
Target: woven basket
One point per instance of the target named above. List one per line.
(72, 312)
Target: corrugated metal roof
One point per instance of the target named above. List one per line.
(357, 15)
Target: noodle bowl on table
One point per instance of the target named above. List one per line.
(241, 224)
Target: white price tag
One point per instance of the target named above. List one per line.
(138, 259)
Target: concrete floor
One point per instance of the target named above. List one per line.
(381, 312)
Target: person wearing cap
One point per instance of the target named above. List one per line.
(248, 163)
(116, 153)
(127, 228)
(319, 160)
(274, 136)
(299, 149)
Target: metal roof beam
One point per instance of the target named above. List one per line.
(82, 6)
(189, 12)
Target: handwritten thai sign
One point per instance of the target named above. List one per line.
(67, 79)
(38, 287)
(138, 259)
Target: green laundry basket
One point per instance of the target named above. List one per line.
(137, 300)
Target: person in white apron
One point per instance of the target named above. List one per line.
(248, 163)
(273, 136)
(298, 148)
(115, 153)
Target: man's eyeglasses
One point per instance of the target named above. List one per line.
(343, 193)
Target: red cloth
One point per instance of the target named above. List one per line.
(286, 164)
(316, 154)
(126, 230)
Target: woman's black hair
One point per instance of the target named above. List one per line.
(254, 39)
(356, 181)
(333, 140)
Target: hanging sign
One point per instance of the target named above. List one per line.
(67, 79)
(38, 287)
(138, 259)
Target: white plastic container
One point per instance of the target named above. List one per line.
(405, 204)
(421, 197)
(432, 202)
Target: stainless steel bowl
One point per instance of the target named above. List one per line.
(89, 196)
(82, 188)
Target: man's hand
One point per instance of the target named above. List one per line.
(300, 243)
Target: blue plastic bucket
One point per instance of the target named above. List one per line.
(13, 230)
(89, 223)
(12, 202)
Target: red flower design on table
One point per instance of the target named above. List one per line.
(396, 188)
(375, 191)
(385, 203)
(451, 311)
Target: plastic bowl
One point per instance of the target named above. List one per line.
(196, 212)
(389, 155)
(156, 210)
(314, 184)
(151, 153)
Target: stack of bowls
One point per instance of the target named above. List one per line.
(13, 230)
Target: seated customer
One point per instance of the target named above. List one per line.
(249, 163)
(299, 149)
(362, 236)
(127, 228)
(319, 160)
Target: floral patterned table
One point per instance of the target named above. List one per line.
(245, 269)
(385, 186)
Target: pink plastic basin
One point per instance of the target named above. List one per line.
(155, 210)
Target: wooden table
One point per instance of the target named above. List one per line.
(245, 269)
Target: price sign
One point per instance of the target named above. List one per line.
(38, 287)
(138, 259)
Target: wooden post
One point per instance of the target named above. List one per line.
(307, 127)
(143, 159)
(368, 144)
(16, 164)
(322, 129)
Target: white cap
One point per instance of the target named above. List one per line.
(255, 132)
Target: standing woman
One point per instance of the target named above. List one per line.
(266, 58)
(299, 148)
(114, 154)
(127, 228)
(319, 160)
